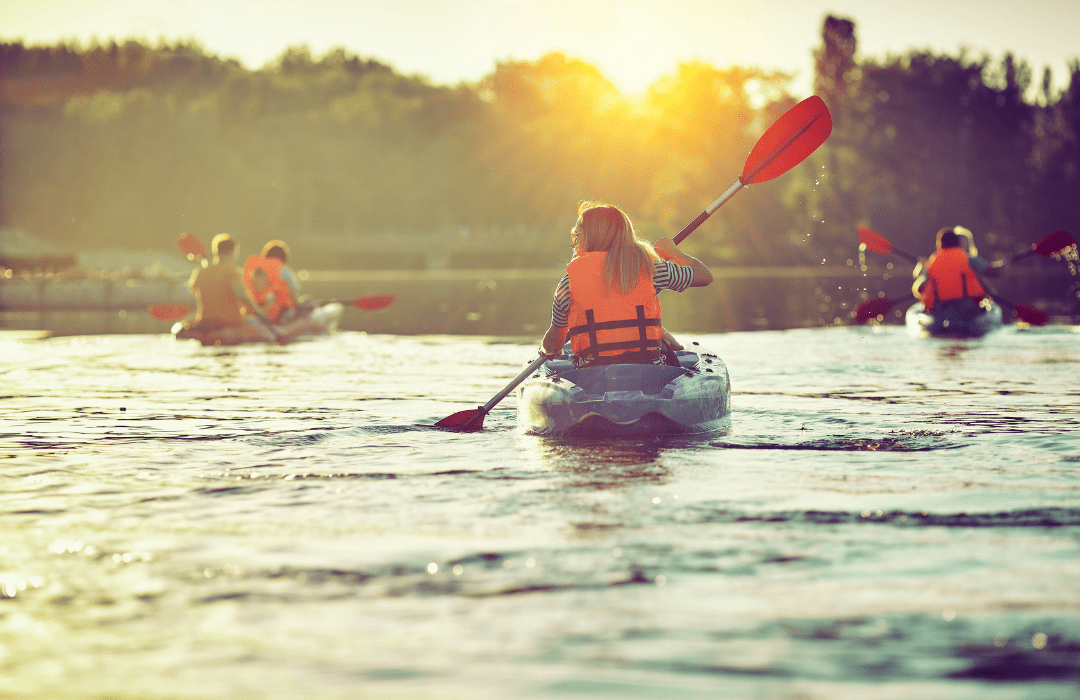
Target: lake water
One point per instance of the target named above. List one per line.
(883, 517)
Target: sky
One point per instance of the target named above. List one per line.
(632, 42)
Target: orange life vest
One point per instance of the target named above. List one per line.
(283, 296)
(604, 322)
(948, 277)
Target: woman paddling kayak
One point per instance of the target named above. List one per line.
(606, 302)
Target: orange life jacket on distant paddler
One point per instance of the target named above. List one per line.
(605, 323)
(282, 295)
(949, 277)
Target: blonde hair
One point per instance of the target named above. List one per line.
(606, 228)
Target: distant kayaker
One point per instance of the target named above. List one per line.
(606, 302)
(280, 296)
(221, 299)
(950, 274)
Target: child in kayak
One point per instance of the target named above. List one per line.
(279, 296)
(221, 299)
(949, 275)
(259, 286)
(606, 302)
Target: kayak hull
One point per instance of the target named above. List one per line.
(626, 400)
(962, 319)
(321, 321)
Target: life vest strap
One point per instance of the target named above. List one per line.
(643, 344)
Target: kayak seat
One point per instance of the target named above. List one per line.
(648, 379)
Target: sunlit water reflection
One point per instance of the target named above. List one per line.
(883, 516)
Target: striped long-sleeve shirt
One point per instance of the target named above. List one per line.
(666, 275)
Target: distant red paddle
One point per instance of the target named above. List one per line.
(191, 245)
(791, 138)
(872, 240)
(170, 312)
(372, 303)
(1050, 244)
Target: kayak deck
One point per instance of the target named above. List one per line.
(630, 399)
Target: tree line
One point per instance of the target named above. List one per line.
(130, 144)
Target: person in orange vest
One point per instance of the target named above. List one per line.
(947, 276)
(278, 296)
(259, 286)
(606, 302)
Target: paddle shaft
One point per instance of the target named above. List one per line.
(700, 219)
(905, 255)
(522, 376)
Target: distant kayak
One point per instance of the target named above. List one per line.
(321, 321)
(964, 318)
(630, 399)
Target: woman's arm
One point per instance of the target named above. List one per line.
(667, 250)
(553, 342)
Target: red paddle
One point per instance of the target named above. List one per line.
(170, 312)
(791, 138)
(372, 303)
(869, 310)
(192, 246)
(872, 240)
(1050, 244)
(794, 136)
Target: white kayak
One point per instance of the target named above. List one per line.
(627, 399)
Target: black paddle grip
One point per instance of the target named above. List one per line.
(689, 228)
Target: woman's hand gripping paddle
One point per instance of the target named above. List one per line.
(786, 143)
(869, 310)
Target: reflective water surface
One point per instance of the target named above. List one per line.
(883, 517)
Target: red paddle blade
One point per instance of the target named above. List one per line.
(465, 421)
(373, 303)
(874, 241)
(192, 246)
(1053, 243)
(788, 142)
(1030, 314)
(169, 312)
(869, 310)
